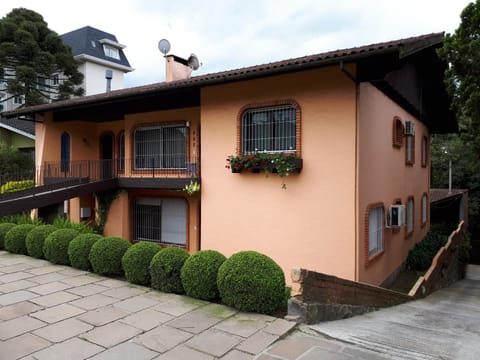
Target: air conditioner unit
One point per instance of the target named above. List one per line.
(85, 213)
(396, 216)
(409, 128)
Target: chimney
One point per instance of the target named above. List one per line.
(108, 78)
(177, 68)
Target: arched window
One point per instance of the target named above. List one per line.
(397, 132)
(65, 152)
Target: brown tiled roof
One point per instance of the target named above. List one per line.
(404, 47)
(443, 194)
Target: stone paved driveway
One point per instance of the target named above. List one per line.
(57, 312)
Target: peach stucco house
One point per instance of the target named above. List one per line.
(360, 119)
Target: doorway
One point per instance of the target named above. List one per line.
(106, 155)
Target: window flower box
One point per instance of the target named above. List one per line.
(276, 163)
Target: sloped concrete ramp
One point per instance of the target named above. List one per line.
(445, 325)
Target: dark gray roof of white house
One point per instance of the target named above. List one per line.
(86, 41)
(19, 126)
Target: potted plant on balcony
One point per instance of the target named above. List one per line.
(282, 164)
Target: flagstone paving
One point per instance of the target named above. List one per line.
(57, 312)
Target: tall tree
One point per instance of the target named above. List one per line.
(461, 51)
(34, 63)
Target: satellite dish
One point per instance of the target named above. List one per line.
(164, 46)
(193, 62)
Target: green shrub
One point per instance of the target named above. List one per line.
(21, 218)
(4, 227)
(136, 262)
(55, 248)
(13, 186)
(250, 281)
(199, 274)
(165, 270)
(106, 255)
(79, 249)
(15, 238)
(36, 238)
(421, 255)
(64, 223)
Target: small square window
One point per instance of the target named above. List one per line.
(111, 51)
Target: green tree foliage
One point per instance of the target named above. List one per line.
(14, 162)
(31, 55)
(462, 52)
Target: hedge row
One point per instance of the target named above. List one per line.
(13, 186)
(248, 280)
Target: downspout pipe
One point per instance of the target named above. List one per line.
(357, 255)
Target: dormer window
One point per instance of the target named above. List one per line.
(111, 51)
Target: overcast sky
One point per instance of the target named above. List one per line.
(229, 34)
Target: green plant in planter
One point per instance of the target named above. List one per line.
(192, 188)
(282, 164)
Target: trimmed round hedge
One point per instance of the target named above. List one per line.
(199, 274)
(106, 255)
(253, 282)
(36, 238)
(79, 249)
(136, 262)
(4, 228)
(165, 270)
(55, 248)
(15, 238)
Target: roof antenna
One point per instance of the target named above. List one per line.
(164, 46)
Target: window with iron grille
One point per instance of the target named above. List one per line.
(375, 230)
(269, 129)
(160, 147)
(162, 221)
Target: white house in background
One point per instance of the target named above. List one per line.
(100, 57)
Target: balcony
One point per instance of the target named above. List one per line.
(58, 181)
(129, 174)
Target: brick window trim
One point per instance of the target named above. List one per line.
(148, 125)
(425, 155)
(412, 161)
(424, 223)
(371, 259)
(291, 102)
(408, 234)
(397, 132)
(166, 196)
